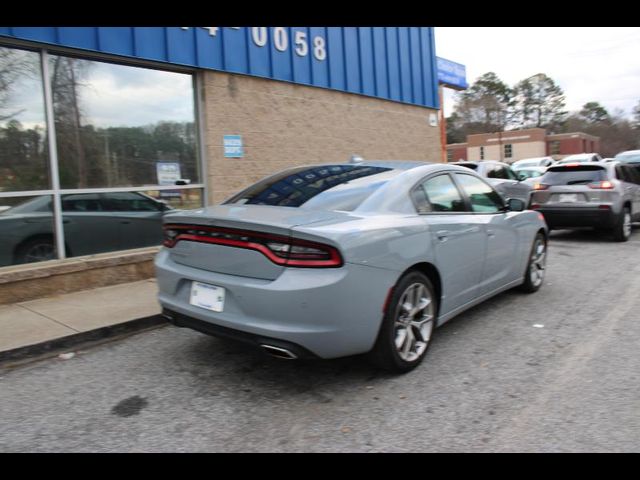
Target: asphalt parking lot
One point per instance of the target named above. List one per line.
(554, 371)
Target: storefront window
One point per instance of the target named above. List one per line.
(115, 124)
(23, 148)
(117, 128)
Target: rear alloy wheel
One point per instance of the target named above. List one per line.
(407, 326)
(622, 230)
(534, 276)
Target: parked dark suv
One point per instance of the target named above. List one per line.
(595, 194)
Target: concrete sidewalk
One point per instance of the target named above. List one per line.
(49, 325)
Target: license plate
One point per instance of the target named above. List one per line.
(568, 197)
(207, 296)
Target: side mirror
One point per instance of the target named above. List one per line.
(515, 205)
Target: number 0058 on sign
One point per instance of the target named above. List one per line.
(207, 296)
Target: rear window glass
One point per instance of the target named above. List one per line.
(472, 166)
(526, 173)
(581, 175)
(327, 187)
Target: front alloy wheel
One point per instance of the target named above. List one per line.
(408, 324)
(534, 276)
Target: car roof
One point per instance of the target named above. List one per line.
(395, 164)
(579, 155)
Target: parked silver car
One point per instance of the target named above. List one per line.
(604, 195)
(503, 179)
(335, 260)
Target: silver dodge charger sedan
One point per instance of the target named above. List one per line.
(327, 261)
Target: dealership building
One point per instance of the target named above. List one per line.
(516, 145)
(104, 129)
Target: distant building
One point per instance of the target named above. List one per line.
(518, 144)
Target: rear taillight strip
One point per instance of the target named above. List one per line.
(257, 241)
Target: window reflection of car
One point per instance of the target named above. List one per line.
(93, 223)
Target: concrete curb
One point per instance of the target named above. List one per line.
(50, 348)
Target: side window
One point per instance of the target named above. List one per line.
(484, 199)
(88, 202)
(622, 174)
(442, 194)
(511, 174)
(497, 172)
(128, 202)
(631, 174)
(634, 173)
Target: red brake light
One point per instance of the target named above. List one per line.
(572, 165)
(281, 250)
(603, 185)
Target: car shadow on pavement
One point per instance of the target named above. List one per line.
(208, 358)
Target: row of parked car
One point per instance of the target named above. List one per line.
(583, 190)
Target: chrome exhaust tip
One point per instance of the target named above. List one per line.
(278, 352)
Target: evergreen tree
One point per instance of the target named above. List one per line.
(593, 112)
(539, 102)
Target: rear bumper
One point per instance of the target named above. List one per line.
(184, 321)
(330, 313)
(564, 217)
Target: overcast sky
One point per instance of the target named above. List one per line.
(599, 64)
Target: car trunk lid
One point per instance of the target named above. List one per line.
(249, 238)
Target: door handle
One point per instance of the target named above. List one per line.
(125, 222)
(491, 233)
(442, 234)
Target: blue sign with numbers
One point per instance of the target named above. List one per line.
(394, 63)
(233, 146)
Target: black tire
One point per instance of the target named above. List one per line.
(536, 265)
(36, 249)
(414, 287)
(622, 231)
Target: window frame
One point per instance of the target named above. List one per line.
(461, 191)
(509, 153)
(501, 210)
(418, 186)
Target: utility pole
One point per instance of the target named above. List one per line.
(443, 127)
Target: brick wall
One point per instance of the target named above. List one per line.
(284, 125)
